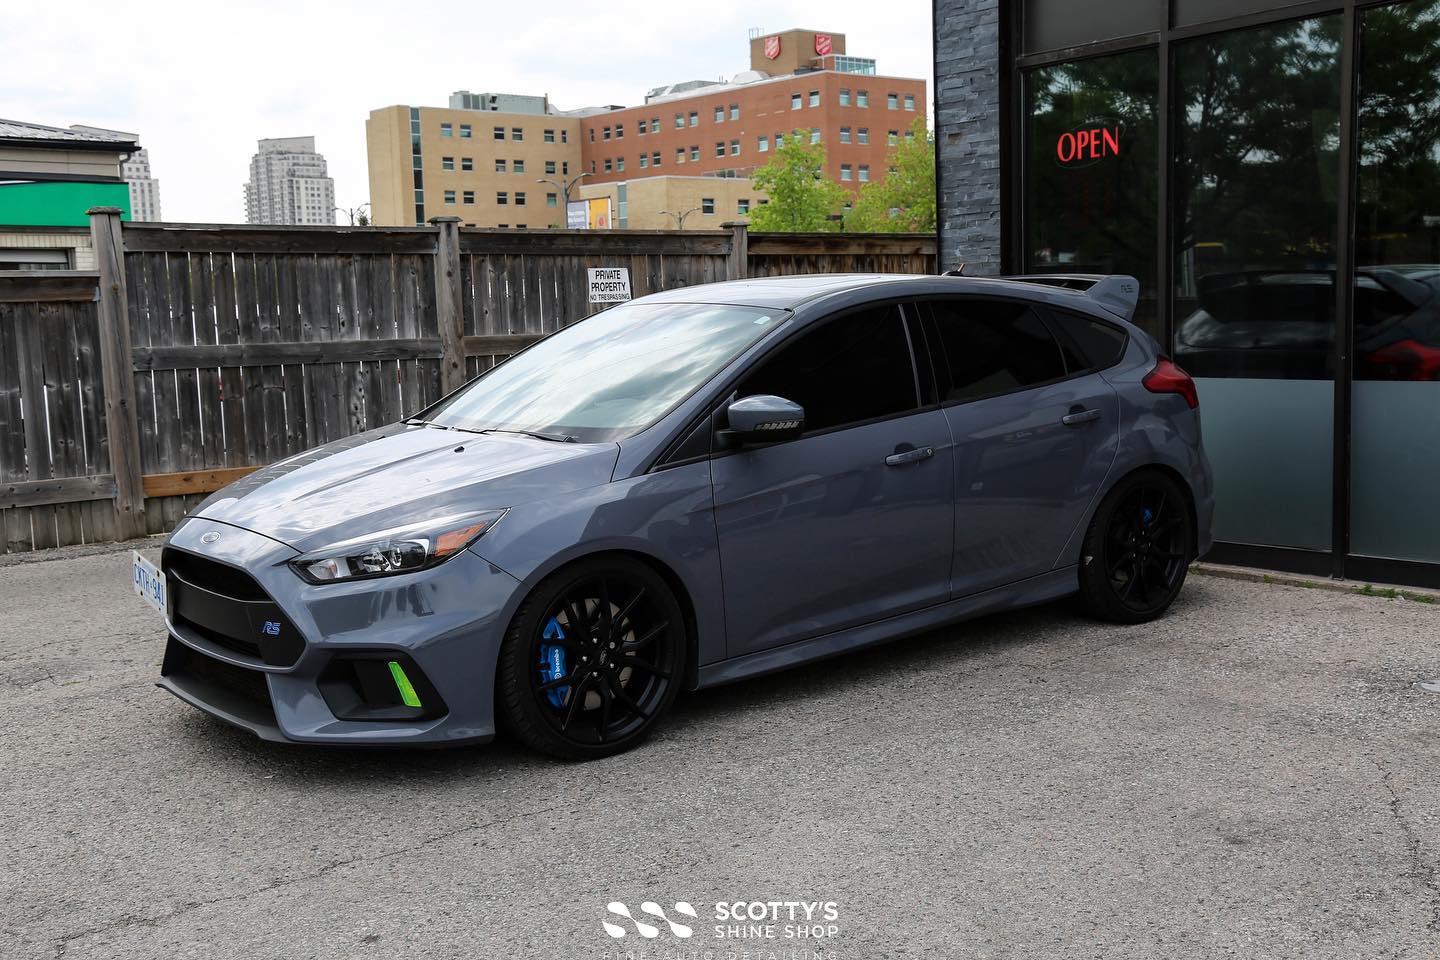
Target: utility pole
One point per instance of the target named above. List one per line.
(680, 217)
(564, 186)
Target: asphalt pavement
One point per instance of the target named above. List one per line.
(1253, 776)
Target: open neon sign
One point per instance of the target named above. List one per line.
(1086, 145)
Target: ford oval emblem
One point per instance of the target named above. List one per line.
(210, 537)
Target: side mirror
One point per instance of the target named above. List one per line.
(763, 419)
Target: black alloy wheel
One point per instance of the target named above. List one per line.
(1138, 549)
(595, 655)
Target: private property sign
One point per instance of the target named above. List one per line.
(609, 284)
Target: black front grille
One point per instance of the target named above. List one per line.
(225, 606)
(213, 576)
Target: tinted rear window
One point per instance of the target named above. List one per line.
(985, 347)
(1100, 344)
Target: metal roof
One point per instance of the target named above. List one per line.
(19, 132)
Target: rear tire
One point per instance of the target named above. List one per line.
(1138, 549)
(592, 660)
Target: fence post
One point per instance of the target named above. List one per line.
(448, 310)
(739, 266)
(117, 372)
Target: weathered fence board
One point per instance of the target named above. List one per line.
(199, 353)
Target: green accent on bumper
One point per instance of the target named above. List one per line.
(403, 684)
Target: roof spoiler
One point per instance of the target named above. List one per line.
(1117, 293)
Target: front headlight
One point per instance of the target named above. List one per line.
(401, 550)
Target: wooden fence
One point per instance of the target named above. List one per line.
(195, 354)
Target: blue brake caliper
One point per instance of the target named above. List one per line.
(1147, 515)
(552, 662)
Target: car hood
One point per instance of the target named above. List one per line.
(402, 474)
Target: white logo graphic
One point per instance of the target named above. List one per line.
(647, 930)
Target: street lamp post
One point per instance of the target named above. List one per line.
(680, 217)
(352, 212)
(564, 186)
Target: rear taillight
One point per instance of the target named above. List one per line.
(1402, 360)
(1167, 377)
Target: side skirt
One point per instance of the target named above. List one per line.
(1048, 586)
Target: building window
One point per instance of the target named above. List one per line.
(892, 101)
(592, 134)
(862, 135)
(549, 166)
(447, 163)
(499, 133)
(864, 172)
(552, 199)
(608, 166)
(655, 160)
(565, 168)
(910, 136)
(605, 134)
(814, 134)
(640, 128)
(549, 136)
(464, 131)
(844, 134)
(500, 166)
(742, 206)
(707, 205)
(694, 153)
(654, 124)
(503, 226)
(502, 198)
(694, 118)
(564, 136)
(519, 198)
(644, 161)
(517, 134)
(862, 98)
(893, 137)
(468, 196)
(762, 143)
(467, 163)
(719, 148)
(844, 96)
(619, 131)
(845, 171)
(814, 98)
(734, 111)
(449, 196)
(796, 101)
(679, 154)
(620, 165)
(517, 166)
(910, 102)
(719, 114)
(679, 121)
(446, 130)
(734, 148)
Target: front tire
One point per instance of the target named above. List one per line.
(592, 660)
(1138, 549)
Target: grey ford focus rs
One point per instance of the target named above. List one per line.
(689, 489)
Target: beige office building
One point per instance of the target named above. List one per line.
(484, 166)
(670, 203)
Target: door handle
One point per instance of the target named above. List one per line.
(1079, 417)
(909, 456)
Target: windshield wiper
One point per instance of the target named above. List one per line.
(416, 422)
(552, 437)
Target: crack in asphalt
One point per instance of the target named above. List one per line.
(62, 944)
(1420, 870)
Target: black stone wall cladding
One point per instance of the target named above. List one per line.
(967, 125)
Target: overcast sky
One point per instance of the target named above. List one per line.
(201, 82)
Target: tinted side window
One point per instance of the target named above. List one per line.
(853, 368)
(1099, 343)
(984, 347)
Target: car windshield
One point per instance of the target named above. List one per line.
(609, 376)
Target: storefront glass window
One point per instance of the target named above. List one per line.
(1256, 168)
(1395, 453)
(1090, 173)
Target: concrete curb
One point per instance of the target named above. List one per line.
(1359, 587)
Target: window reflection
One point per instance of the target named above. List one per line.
(1256, 168)
(1090, 191)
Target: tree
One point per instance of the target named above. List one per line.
(904, 200)
(801, 199)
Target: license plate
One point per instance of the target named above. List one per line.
(149, 582)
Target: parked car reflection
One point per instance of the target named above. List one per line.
(1273, 324)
